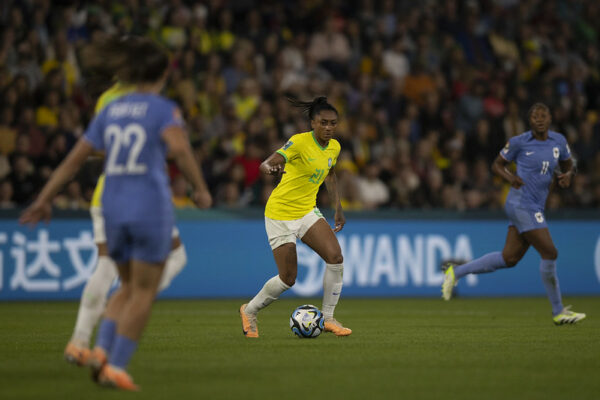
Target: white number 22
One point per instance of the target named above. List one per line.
(545, 165)
(124, 137)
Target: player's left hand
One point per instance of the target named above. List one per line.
(39, 210)
(202, 198)
(564, 180)
(340, 221)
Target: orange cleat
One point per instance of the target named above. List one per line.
(75, 354)
(249, 326)
(333, 325)
(116, 378)
(96, 361)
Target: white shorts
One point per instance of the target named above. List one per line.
(98, 226)
(282, 232)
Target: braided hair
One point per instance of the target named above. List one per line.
(312, 108)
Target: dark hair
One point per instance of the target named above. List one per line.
(312, 108)
(129, 59)
(536, 106)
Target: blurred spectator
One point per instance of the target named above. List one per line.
(71, 198)
(8, 135)
(428, 92)
(6, 194)
(179, 187)
(373, 192)
(23, 179)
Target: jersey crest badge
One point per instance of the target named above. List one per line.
(555, 152)
(287, 145)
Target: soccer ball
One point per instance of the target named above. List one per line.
(307, 321)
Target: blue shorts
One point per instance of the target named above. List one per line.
(148, 241)
(525, 219)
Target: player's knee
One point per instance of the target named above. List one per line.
(550, 254)
(334, 258)
(511, 260)
(289, 278)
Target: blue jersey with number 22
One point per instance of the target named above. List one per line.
(129, 131)
(536, 161)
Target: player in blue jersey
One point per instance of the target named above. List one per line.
(136, 131)
(537, 153)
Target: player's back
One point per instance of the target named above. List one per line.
(137, 185)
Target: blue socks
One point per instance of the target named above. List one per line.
(119, 347)
(106, 334)
(550, 281)
(488, 263)
(122, 351)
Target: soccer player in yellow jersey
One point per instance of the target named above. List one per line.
(306, 161)
(94, 294)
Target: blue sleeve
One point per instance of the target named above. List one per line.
(512, 148)
(95, 132)
(565, 151)
(170, 117)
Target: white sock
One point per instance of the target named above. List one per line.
(93, 299)
(332, 288)
(268, 294)
(175, 263)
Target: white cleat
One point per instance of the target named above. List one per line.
(567, 316)
(449, 281)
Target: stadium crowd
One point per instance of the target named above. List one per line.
(428, 91)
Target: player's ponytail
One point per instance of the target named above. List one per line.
(129, 59)
(313, 108)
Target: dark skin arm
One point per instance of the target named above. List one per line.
(331, 185)
(179, 148)
(273, 165)
(564, 179)
(499, 168)
(42, 208)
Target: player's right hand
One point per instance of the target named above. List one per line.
(36, 212)
(516, 182)
(276, 169)
(202, 198)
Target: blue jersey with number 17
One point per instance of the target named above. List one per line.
(536, 161)
(129, 130)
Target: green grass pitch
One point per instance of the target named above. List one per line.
(400, 349)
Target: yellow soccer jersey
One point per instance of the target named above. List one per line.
(307, 165)
(114, 92)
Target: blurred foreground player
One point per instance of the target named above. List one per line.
(93, 297)
(136, 131)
